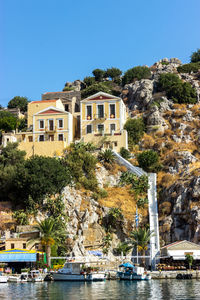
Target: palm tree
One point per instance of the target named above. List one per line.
(140, 239)
(48, 233)
(106, 156)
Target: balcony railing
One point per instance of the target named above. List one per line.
(100, 117)
(51, 129)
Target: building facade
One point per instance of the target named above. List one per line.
(50, 129)
(102, 120)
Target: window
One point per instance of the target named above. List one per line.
(112, 127)
(115, 144)
(41, 124)
(60, 123)
(100, 128)
(89, 129)
(89, 112)
(100, 110)
(36, 246)
(112, 111)
(24, 245)
(77, 107)
(41, 138)
(30, 138)
(51, 125)
(12, 246)
(66, 107)
(60, 137)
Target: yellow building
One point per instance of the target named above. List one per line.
(102, 120)
(50, 129)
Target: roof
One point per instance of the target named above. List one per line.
(182, 245)
(51, 110)
(101, 96)
(43, 101)
(56, 92)
(18, 255)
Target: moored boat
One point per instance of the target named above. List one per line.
(35, 276)
(73, 271)
(131, 272)
(14, 278)
(3, 278)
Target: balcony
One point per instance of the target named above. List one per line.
(51, 129)
(100, 117)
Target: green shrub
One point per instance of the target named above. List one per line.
(68, 89)
(125, 153)
(141, 202)
(139, 185)
(21, 217)
(195, 57)
(178, 91)
(103, 193)
(148, 160)
(165, 63)
(135, 129)
(189, 68)
(136, 73)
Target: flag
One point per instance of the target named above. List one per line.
(136, 217)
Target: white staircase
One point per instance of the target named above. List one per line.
(153, 207)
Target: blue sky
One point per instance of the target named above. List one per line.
(45, 43)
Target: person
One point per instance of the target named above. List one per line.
(45, 270)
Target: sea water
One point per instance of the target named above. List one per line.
(115, 290)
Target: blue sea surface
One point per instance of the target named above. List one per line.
(115, 290)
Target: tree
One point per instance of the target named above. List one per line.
(11, 155)
(8, 121)
(135, 129)
(89, 81)
(189, 258)
(95, 88)
(123, 248)
(113, 73)
(148, 160)
(44, 176)
(18, 102)
(195, 57)
(98, 74)
(48, 233)
(106, 156)
(140, 239)
(136, 73)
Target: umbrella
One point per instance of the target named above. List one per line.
(127, 265)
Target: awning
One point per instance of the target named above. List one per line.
(18, 255)
(127, 265)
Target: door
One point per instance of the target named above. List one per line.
(50, 124)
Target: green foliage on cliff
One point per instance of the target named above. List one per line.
(136, 73)
(135, 129)
(139, 185)
(195, 57)
(149, 161)
(189, 68)
(178, 91)
(99, 74)
(81, 165)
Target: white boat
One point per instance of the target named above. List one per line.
(34, 276)
(72, 271)
(3, 278)
(14, 278)
(131, 272)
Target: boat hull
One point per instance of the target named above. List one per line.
(3, 279)
(78, 277)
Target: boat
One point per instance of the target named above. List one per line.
(34, 276)
(131, 272)
(77, 271)
(14, 278)
(3, 278)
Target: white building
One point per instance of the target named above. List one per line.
(178, 250)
